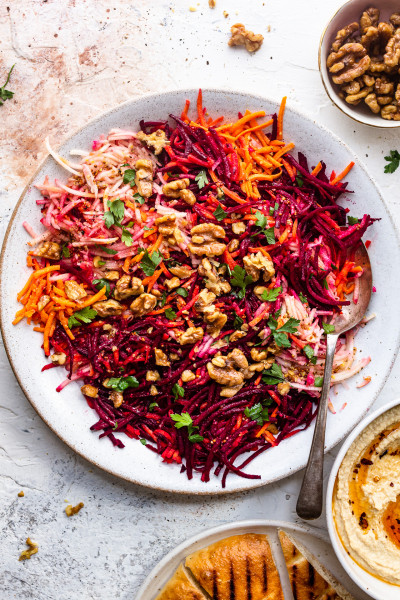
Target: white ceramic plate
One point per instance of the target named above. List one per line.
(378, 589)
(68, 414)
(314, 540)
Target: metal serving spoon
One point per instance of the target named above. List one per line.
(309, 503)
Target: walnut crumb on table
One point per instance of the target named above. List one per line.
(20, 494)
(211, 3)
(73, 510)
(243, 37)
(32, 549)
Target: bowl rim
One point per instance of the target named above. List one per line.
(338, 547)
(332, 97)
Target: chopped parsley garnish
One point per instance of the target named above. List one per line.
(108, 219)
(219, 213)
(393, 160)
(152, 406)
(238, 322)
(182, 292)
(129, 176)
(126, 237)
(352, 220)
(122, 383)
(272, 209)
(325, 283)
(185, 420)
(240, 279)
(309, 352)
(100, 283)
(170, 314)
(303, 299)
(262, 222)
(257, 413)
(280, 335)
(138, 198)
(318, 381)
(86, 315)
(270, 235)
(328, 328)
(271, 295)
(116, 213)
(178, 391)
(299, 180)
(274, 375)
(6, 94)
(290, 326)
(143, 441)
(163, 299)
(65, 251)
(149, 263)
(107, 250)
(201, 179)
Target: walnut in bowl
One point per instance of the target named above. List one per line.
(359, 61)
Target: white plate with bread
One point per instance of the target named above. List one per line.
(252, 560)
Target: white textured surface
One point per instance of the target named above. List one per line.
(104, 53)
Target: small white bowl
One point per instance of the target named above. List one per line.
(349, 12)
(377, 588)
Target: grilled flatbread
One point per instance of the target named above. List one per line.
(307, 582)
(180, 587)
(240, 567)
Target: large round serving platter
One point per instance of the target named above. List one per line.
(67, 413)
(315, 541)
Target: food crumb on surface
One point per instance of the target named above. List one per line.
(73, 510)
(240, 36)
(21, 494)
(226, 14)
(212, 3)
(192, 8)
(32, 549)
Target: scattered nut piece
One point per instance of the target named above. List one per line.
(32, 549)
(255, 264)
(152, 376)
(50, 250)
(191, 335)
(128, 286)
(243, 37)
(74, 291)
(43, 302)
(58, 358)
(181, 271)
(161, 358)
(144, 177)
(172, 283)
(157, 140)
(73, 510)
(90, 390)
(188, 376)
(283, 388)
(20, 494)
(153, 390)
(108, 308)
(205, 240)
(117, 398)
(143, 304)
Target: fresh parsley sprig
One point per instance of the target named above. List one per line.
(149, 263)
(257, 413)
(86, 315)
(116, 213)
(6, 94)
(280, 334)
(241, 280)
(122, 383)
(201, 179)
(269, 232)
(274, 375)
(185, 420)
(219, 213)
(393, 160)
(271, 295)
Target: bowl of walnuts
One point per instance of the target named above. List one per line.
(359, 61)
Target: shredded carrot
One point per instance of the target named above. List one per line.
(46, 333)
(184, 114)
(248, 117)
(229, 259)
(64, 323)
(200, 111)
(280, 118)
(92, 299)
(339, 177)
(316, 169)
(156, 245)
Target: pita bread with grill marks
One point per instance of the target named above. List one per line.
(240, 567)
(181, 587)
(306, 581)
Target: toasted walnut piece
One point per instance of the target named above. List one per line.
(231, 376)
(212, 3)
(343, 35)
(143, 304)
(383, 100)
(219, 361)
(239, 227)
(73, 510)
(395, 19)
(348, 63)
(283, 388)
(369, 18)
(378, 66)
(383, 86)
(50, 250)
(108, 308)
(229, 392)
(188, 197)
(161, 358)
(237, 335)
(391, 112)
(32, 549)
(225, 376)
(233, 245)
(144, 177)
(259, 290)
(243, 37)
(258, 354)
(116, 398)
(58, 358)
(153, 390)
(392, 54)
(372, 103)
(187, 376)
(370, 36)
(213, 282)
(166, 224)
(181, 271)
(205, 298)
(152, 376)
(191, 335)
(368, 80)
(204, 240)
(385, 31)
(156, 140)
(90, 390)
(128, 286)
(255, 264)
(173, 189)
(111, 275)
(172, 283)
(215, 320)
(43, 302)
(356, 98)
(396, 95)
(353, 87)
(74, 291)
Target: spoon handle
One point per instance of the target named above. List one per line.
(309, 503)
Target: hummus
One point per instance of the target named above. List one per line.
(366, 500)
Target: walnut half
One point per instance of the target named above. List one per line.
(205, 240)
(243, 37)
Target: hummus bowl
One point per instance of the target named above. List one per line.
(363, 504)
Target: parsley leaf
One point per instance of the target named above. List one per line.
(318, 381)
(393, 161)
(299, 180)
(290, 326)
(303, 299)
(107, 250)
(257, 413)
(325, 283)
(281, 340)
(86, 315)
(65, 251)
(129, 176)
(185, 420)
(238, 322)
(6, 94)
(126, 237)
(152, 405)
(270, 235)
(178, 391)
(143, 441)
(219, 213)
(271, 295)
(122, 383)
(240, 279)
(309, 352)
(100, 283)
(195, 437)
(149, 263)
(273, 375)
(163, 299)
(328, 328)
(352, 220)
(182, 292)
(117, 209)
(108, 219)
(272, 209)
(261, 220)
(138, 198)
(201, 179)
(170, 314)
